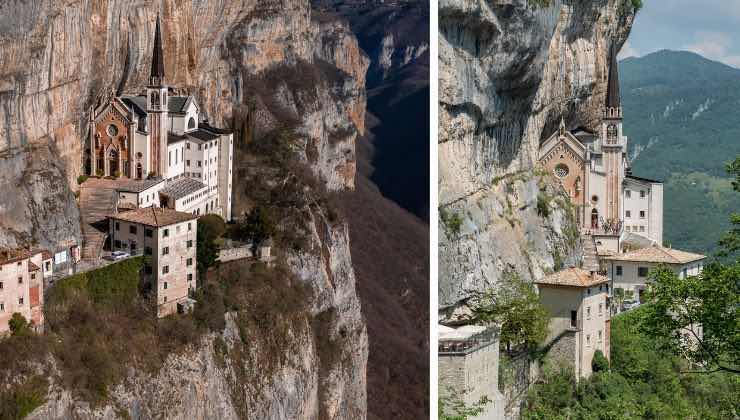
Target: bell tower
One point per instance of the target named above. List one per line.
(613, 143)
(156, 101)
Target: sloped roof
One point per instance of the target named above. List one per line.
(203, 135)
(650, 181)
(612, 93)
(136, 104)
(157, 55)
(176, 103)
(182, 187)
(573, 277)
(8, 256)
(154, 216)
(658, 254)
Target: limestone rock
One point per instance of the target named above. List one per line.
(500, 93)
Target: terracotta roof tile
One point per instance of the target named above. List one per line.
(573, 277)
(658, 254)
(154, 216)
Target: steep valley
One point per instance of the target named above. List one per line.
(282, 77)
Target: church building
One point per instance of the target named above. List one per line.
(595, 171)
(160, 147)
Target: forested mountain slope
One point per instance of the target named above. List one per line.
(683, 119)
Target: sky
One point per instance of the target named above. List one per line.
(710, 28)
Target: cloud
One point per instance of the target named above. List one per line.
(715, 46)
(628, 51)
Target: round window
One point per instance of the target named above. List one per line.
(561, 171)
(112, 130)
(595, 199)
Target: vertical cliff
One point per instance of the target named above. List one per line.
(257, 66)
(508, 70)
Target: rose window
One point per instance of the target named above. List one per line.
(561, 171)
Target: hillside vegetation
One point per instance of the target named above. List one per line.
(682, 117)
(642, 383)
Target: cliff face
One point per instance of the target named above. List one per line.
(501, 93)
(254, 66)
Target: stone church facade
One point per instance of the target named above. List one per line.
(595, 171)
(156, 136)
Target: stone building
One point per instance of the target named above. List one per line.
(22, 275)
(594, 170)
(629, 271)
(578, 304)
(468, 367)
(167, 239)
(162, 141)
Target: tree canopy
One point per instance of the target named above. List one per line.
(515, 306)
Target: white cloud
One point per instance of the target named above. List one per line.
(715, 46)
(628, 51)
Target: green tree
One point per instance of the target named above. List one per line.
(599, 363)
(730, 242)
(696, 317)
(258, 226)
(210, 229)
(19, 325)
(451, 406)
(515, 306)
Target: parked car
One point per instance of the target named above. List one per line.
(118, 255)
(630, 304)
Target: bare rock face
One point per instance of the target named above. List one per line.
(253, 65)
(501, 92)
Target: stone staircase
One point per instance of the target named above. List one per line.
(590, 257)
(96, 204)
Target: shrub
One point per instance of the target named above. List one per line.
(452, 221)
(20, 400)
(599, 363)
(18, 325)
(81, 179)
(543, 205)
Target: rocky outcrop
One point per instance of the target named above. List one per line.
(254, 66)
(509, 69)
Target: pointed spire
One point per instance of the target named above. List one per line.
(612, 93)
(157, 76)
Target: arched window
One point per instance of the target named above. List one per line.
(611, 133)
(155, 99)
(191, 123)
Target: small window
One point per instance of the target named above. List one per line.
(165, 285)
(187, 162)
(190, 227)
(588, 339)
(165, 250)
(1, 285)
(20, 300)
(20, 280)
(642, 214)
(628, 214)
(189, 262)
(165, 233)
(165, 299)
(642, 228)
(600, 308)
(118, 226)
(147, 250)
(149, 233)
(642, 271)
(2, 307)
(628, 193)
(642, 193)
(187, 146)
(588, 291)
(588, 312)
(628, 228)
(190, 244)
(599, 336)
(619, 270)
(573, 319)
(117, 243)
(190, 277)
(165, 269)
(132, 229)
